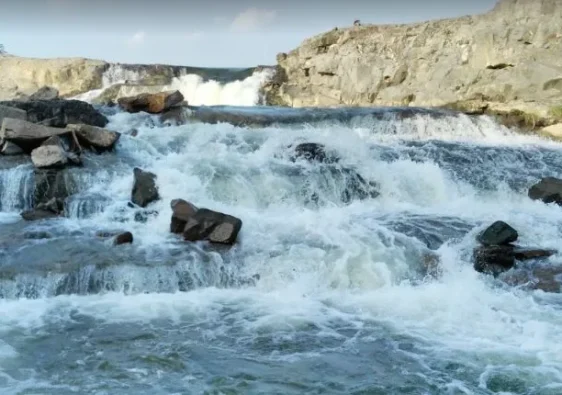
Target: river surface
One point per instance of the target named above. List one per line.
(321, 295)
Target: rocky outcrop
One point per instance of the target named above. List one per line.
(70, 76)
(153, 103)
(506, 61)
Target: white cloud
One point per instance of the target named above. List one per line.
(252, 19)
(137, 39)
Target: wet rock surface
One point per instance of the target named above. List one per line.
(145, 190)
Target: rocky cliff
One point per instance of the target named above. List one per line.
(507, 61)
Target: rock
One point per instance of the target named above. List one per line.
(181, 212)
(314, 152)
(430, 63)
(50, 209)
(499, 233)
(12, 112)
(123, 238)
(49, 156)
(151, 103)
(144, 215)
(93, 137)
(553, 131)
(522, 254)
(549, 190)
(9, 148)
(211, 225)
(25, 134)
(494, 259)
(59, 113)
(45, 93)
(145, 190)
(50, 183)
(431, 265)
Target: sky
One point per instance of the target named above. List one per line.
(204, 33)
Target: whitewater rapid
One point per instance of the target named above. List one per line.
(321, 298)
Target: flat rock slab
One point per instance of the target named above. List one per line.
(94, 137)
(27, 135)
(12, 112)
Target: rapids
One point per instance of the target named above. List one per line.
(323, 297)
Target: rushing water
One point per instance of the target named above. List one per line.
(319, 295)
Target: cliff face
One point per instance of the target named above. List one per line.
(70, 76)
(510, 57)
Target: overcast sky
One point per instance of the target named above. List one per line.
(207, 33)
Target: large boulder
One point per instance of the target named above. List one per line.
(45, 93)
(181, 212)
(59, 113)
(203, 224)
(499, 233)
(52, 154)
(549, 190)
(153, 103)
(145, 190)
(94, 137)
(496, 259)
(27, 135)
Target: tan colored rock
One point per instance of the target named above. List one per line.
(49, 156)
(70, 76)
(153, 103)
(553, 131)
(510, 54)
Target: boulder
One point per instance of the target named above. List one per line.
(181, 212)
(59, 113)
(51, 183)
(211, 225)
(314, 152)
(94, 137)
(499, 233)
(549, 190)
(27, 135)
(522, 254)
(12, 112)
(45, 93)
(145, 190)
(123, 238)
(153, 103)
(496, 259)
(49, 156)
(9, 148)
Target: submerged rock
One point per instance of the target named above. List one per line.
(153, 103)
(45, 93)
(93, 137)
(496, 259)
(549, 190)
(50, 209)
(145, 190)
(59, 113)
(499, 233)
(314, 152)
(123, 238)
(51, 183)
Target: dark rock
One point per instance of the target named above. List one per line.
(145, 190)
(181, 212)
(494, 259)
(522, 254)
(357, 187)
(12, 112)
(211, 225)
(59, 113)
(105, 234)
(54, 205)
(39, 235)
(51, 184)
(123, 238)
(9, 149)
(431, 265)
(45, 93)
(37, 215)
(153, 103)
(95, 138)
(544, 278)
(549, 190)
(499, 233)
(143, 216)
(27, 135)
(314, 152)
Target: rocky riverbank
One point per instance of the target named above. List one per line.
(505, 63)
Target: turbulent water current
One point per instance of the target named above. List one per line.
(319, 296)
